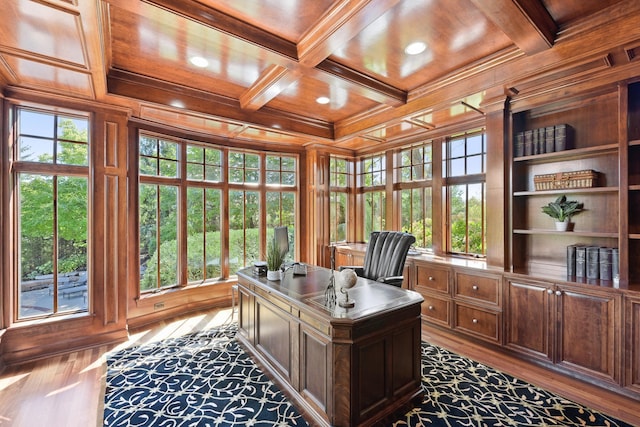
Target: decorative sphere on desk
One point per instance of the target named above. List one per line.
(349, 278)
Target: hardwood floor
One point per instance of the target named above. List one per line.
(66, 390)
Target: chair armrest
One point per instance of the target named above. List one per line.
(392, 280)
(358, 269)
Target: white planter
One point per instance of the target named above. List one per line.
(562, 225)
(273, 274)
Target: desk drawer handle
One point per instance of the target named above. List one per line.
(475, 321)
(431, 279)
(431, 307)
(475, 287)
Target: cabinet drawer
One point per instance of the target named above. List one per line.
(432, 279)
(436, 310)
(483, 324)
(480, 288)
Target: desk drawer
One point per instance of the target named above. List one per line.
(483, 324)
(436, 310)
(432, 279)
(480, 288)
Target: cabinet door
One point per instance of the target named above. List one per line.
(588, 328)
(633, 344)
(529, 318)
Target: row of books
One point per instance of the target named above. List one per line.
(592, 262)
(543, 140)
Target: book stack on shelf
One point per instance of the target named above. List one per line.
(592, 262)
(543, 140)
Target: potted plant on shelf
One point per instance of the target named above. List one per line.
(561, 210)
(274, 261)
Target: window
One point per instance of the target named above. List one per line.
(464, 170)
(339, 179)
(52, 205)
(204, 213)
(281, 178)
(185, 184)
(158, 212)
(372, 182)
(415, 174)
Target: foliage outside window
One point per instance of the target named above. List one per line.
(372, 181)
(252, 182)
(158, 212)
(52, 212)
(415, 172)
(464, 170)
(338, 198)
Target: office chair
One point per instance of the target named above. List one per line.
(385, 257)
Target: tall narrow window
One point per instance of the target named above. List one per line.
(281, 177)
(204, 213)
(339, 179)
(158, 213)
(464, 170)
(372, 181)
(52, 220)
(415, 175)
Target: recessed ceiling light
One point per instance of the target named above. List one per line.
(415, 48)
(323, 100)
(199, 61)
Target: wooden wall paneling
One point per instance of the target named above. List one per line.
(623, 184)
(438, 193)
(110, 213)
(496, 211)
(4, 209)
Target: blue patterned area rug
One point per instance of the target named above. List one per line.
(207, 379)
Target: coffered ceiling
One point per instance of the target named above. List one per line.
(266, 64)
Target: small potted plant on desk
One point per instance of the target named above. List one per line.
(274, 261)
(561, 210)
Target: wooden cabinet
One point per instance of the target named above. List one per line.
(434, 284)
(632, 354)
(576, 328)
(466, 300)
(477, 300)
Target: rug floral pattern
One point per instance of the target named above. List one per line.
(207, 379)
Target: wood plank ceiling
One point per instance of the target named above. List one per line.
(265, 63)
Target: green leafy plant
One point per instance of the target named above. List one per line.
(562, 209)
(274, 256)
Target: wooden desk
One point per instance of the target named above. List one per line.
(345, 367)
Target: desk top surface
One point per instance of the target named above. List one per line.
(371, 297)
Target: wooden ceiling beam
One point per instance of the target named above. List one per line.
(526, 22)
(227, 24)
(341, 23)
(273, 80)
(131, 85)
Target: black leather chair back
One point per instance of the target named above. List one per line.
(386, 254)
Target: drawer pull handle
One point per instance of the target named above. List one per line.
(550, 291)
(431, 307)
(558, 293)
(431, 279)
(475, 320)
(475, 287)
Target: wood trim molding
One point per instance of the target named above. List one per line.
(526, 22)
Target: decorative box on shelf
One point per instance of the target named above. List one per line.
(562, 180)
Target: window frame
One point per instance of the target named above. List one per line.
(247, 175)
(466, 180)
(55, 170)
